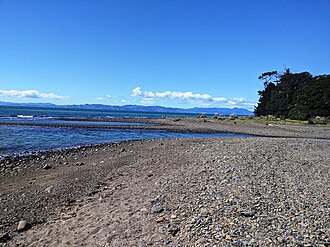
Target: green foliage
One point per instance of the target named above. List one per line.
(297, 96)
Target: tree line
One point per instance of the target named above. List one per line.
(294, 95)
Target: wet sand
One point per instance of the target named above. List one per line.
(240, 191)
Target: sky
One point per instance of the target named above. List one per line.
(175, 53)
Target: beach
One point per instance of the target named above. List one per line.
(269, 189)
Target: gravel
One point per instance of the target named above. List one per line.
(242, 191)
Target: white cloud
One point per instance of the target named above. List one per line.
(30, 94)
(201, 99)
(137, 91)
(178, 95)
(124, 101)
(242, 101)
(99, 99)
(109, 96)
(221, 99)
(173, 95)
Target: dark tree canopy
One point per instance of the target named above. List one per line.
(268, 77)
(294, 95)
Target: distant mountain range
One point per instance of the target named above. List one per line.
(139, 108)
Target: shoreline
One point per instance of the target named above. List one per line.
(69, 190)
(198, 125)
(190, 125)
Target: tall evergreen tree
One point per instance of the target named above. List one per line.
(298, 95)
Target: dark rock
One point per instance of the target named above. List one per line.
(174, 230)
(4, 237)
(248, 213)
(80, 163)
(47, 167)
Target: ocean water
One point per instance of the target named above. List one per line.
(20, 139)
(13, 111)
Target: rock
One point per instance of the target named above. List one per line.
(201, 240)
(80, 163)
(157, 208)
(4, 237)
(249, 213)
(173, 230)
(49, 189)
(47, 167)
(160, 219)
(23, 225)
(280, 240)
(204, 212)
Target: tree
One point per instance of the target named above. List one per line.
(313, 99)
(295, 95)
(268, 77)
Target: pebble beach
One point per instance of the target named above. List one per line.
(269, 189)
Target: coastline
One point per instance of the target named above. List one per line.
(211, 190)
(200, 125)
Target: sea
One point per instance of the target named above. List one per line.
(19, 139)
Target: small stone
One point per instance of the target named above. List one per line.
(228, 237)
(122, 150)
(173, 230)
(173, 216)
(49, 189)
(160, 219)
(47, 167)
(80, 163)
(201, 241)
(280, 240)
(248, 213)
(23, 225)
(204, 212)
(4, 237)
(157, 208)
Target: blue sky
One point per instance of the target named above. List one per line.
(156, 52)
